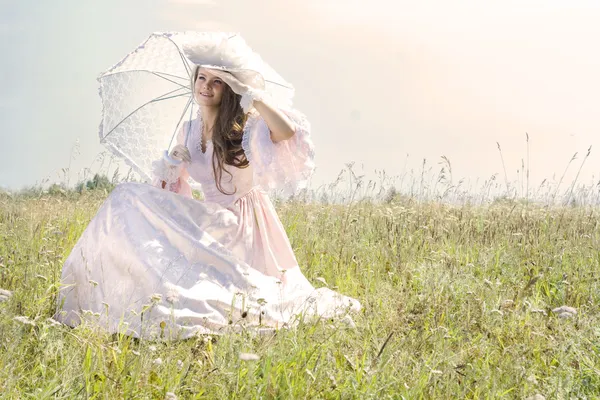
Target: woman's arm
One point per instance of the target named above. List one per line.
(281, 127)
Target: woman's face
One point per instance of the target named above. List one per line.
(208, 88)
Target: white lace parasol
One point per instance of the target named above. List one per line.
(147, 96)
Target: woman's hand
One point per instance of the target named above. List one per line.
(181, 153)
(231, 81)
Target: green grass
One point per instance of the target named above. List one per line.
(456, 301)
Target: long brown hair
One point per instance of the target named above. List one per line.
(227, 134)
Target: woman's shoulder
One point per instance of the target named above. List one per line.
(190, 123)
(189, 127)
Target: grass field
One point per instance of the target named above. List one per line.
(457, 303)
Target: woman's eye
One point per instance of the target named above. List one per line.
(200, 78)
(218, 81)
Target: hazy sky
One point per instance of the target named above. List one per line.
(377, 79)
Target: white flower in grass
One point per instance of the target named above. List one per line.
(5, 295)
(249, 357)
(565, 309)
(179, 364)
(24, 320)
(135, 352)
(170, 396)
(172, 295)
(536, 397)
(152, 348)
(565, 315)
(158, 361)
(52, 322)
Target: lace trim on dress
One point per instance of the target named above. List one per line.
(286, 165)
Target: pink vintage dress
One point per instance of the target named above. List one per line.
(156, 262)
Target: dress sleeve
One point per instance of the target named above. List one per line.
(172, 172)
(286, 165)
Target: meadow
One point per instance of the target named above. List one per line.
(460, 300)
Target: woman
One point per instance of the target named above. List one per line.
(154, 261)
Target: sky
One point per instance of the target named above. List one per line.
(384, 83)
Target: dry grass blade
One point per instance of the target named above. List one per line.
(387, 340)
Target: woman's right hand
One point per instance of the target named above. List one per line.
(181, 153)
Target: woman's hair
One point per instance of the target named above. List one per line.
(227, 134)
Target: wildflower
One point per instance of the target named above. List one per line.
(565, 315)
(52, 322)
(152, 348)
(4, 295)
(24, 320)
(249, 357)
(158, 361)
(179, 364)
(536, 397)
(172, 296)
(565, 309)
(170, 396)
